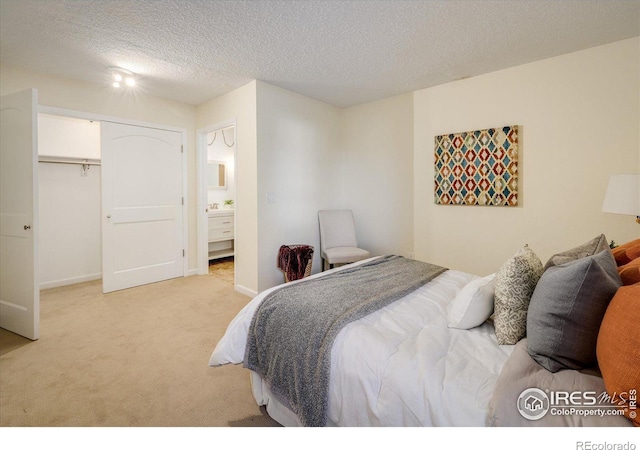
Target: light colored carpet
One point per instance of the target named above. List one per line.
(136, 357)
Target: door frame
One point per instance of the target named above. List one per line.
(201, 143)
(53, 110)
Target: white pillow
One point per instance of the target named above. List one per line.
(473, 304)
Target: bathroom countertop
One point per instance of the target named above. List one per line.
(220, 212)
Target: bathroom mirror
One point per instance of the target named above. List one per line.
(216, 175)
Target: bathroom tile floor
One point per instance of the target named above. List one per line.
(222, 269)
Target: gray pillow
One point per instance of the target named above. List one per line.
(515, 282)
(566, 311)
(593, 247)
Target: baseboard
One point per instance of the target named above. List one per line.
(191, 272)
(248, 292)
(68, 281)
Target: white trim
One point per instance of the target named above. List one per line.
(192, 272)
(185, 206)
(35, 220)
(72, 280)
(54, 110)
(202, 217)
(246, 291)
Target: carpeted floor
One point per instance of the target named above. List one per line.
(136, 357)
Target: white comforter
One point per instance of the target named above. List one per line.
(402, 365)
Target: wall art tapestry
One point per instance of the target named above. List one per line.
(477, 167)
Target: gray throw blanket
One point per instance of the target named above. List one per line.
(292, 331)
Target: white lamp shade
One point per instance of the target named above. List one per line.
(623, 195)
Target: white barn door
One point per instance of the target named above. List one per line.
(19, 291)
(142, 201)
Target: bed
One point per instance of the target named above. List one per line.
(412, 362)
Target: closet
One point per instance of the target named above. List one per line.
(69, 187)
(85, 197)
(111, 203)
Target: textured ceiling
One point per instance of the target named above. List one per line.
(341, 52)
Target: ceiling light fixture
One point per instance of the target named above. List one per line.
(118, 74)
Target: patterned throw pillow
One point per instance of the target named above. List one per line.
(515, 283)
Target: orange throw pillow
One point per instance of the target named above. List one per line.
(630, 273)
(618, 347)
(627, 252)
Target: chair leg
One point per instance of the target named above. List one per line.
(325, 265)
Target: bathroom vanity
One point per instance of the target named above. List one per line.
(221, 233)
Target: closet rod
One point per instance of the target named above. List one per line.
(69, 160)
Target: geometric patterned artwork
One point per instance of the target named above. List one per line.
(477, 167)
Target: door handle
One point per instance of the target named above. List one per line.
(27, 227)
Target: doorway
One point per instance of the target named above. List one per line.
(19, 205)
(115, 204)
(217, 152)
(69, 190)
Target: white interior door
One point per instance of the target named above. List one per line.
(19, 292)
(142, 202)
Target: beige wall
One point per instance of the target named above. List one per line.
(72, 94)
(102, 100)
(580, 122)
(377, 173)
(310, 156)
(579, 116)
(240, 105)
(299, 166)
